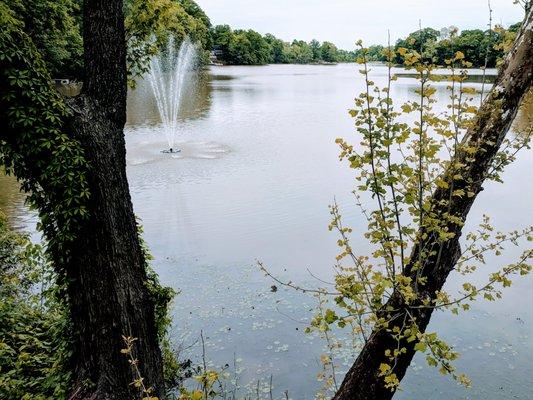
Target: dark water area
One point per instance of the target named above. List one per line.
(257, 170)
(12, 205)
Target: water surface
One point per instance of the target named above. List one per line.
(256, 174)
(258, 170)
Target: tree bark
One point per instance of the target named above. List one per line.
(363, 382)
(106, 266)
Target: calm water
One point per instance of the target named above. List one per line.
(257, 171)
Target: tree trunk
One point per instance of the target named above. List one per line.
(106, 268)
(362, 382)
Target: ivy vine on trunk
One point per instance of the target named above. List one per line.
(70, 157)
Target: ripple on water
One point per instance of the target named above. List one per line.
(150, 152)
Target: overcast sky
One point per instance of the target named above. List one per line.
(344, 21)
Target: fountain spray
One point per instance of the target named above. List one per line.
(168, 76)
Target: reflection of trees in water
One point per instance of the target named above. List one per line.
(196, 100)
(10, 191)
(12, 200)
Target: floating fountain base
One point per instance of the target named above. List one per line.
(171, 151)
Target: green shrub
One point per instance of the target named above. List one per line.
(34, 326)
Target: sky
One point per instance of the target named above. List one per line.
(344, 21)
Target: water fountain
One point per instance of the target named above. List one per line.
(168, 78)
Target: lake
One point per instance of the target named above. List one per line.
(257, 171)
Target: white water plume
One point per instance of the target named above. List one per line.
(169, 71)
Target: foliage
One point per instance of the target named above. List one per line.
(248, 47)
(150, 23)
(144, 392)
(507, 38)
(373, 53)
(406, 154)
(278, 52)
(55, 31)
(34, 327)
(316, 50)
(437, 46)
(400, 166)
(33, 143)
(55, 28)
(195, 11)
(35, 330)
(299, 52)
(36, 147)
(421, 40)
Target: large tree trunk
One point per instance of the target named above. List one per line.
(362, 382)
(106, 268)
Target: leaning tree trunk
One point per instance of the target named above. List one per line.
(106, 268)
(363, 382)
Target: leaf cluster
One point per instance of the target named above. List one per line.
(34, 144)
(404, 156)
(34, 324)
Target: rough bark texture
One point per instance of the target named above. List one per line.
(106, 267)
(362, 382)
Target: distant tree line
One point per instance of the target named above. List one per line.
(440, 45)
(247, 47)
(62, 47)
